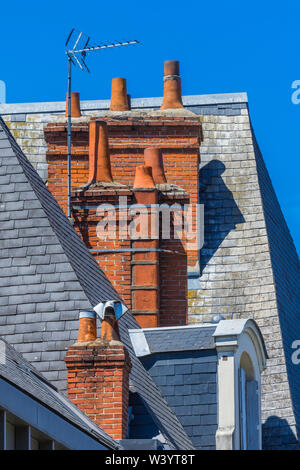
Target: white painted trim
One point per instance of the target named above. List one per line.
(228, 331)
(139, 343)
(232, 338)
(165, 328)
(226, 402)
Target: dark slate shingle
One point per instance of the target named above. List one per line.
(180, 339)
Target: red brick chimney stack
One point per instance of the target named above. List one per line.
(129, 134)
(98, 377)
(119, 98)
(75, 104)
(172, 86)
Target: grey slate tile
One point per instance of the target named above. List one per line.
(55, 326)
(31, 337)
(50, 315)
(14, 319)
(46, 307)
(33, 317)
(183, 369)
(201, 388)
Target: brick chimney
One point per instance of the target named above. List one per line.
(169, 144)
(98, 374)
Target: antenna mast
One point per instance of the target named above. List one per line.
(76, 55)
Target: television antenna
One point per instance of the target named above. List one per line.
(78, 45)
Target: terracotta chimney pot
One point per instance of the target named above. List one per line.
(99, 158)
(153, 158)
(143, 177)
(75, 105)
(119, 98)
(87, 326)
(172, 86)
(109, 328)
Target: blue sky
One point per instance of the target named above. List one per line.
(222, 47)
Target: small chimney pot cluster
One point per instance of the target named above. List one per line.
(120, 99)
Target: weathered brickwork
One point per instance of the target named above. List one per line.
(116, 265)
(98, 383)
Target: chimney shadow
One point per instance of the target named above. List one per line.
(277, 434)
(221, 213)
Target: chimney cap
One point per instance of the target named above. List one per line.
(87, 314)
(171, 67)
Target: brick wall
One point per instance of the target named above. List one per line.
(116, 265)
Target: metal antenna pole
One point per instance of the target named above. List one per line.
(69, 135)
(77, 56)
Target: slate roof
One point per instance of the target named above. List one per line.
(151, 395)
(19, 372)
(38, 231)
(183, 363)
(189, 338)
(188, 381)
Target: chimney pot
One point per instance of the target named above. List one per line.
(99, 158)
(119, 97)
(75, 104)
(143, 177)
(109, 327)
(87, 326)
(172, 86)
(153, 158)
